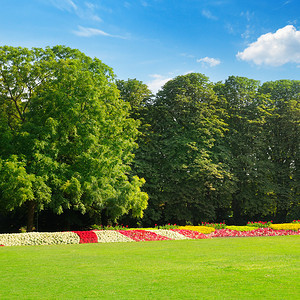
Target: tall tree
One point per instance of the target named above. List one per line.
(246, 147)
(138, 95)
(135, 92)
(182, 171)
(66, 136)
(284, 145)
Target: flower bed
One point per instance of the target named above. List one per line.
(143, 235)
(286, 226)
(170, 234)
(202, 229)
(39, 238)
(151, 234)
(260, 224)
(87, 237)
(255, 232)
(111, 236)
(240, 228)
(191, 233)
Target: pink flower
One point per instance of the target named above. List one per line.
(191, 233)
(143, 235)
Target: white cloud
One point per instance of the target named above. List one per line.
(157, 82)
(274, 49)
(86, 11)
(209, 61)
(88, 32)
(207, 14)
(89, 12)
(67, 5)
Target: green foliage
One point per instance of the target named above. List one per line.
(167, 226)
(283, 140)
(66, 135)
(136, 93)
(260, 224)
(215, 225)
(73, 137)
(247, 111)
(179, 163)
(115, 227)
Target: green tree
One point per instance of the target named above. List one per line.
(138, 95)
(180, 168)
(283, 129)
(246, 147)
(65, 134)
(135, 92)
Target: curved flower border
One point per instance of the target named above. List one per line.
(134, 235)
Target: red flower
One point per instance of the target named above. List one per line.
(191, 233)
(143, 235)
(87, 237)
(256, 232)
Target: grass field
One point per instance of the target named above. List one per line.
(221, 268)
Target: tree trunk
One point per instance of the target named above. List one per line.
(30, 215)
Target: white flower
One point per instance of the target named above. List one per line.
(110, 236)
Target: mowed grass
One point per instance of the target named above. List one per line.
(222, 268)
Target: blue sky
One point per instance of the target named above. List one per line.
(156, 40)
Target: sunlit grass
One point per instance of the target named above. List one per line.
(222, 268)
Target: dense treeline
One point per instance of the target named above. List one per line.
(76, 146)
(214, 152)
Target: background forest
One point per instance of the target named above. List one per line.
(80, 147)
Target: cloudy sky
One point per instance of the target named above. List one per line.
(156, 40)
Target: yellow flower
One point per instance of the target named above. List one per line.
(202, 229)
(286, 226)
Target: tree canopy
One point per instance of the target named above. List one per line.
(183, 173)
(66, 137)
(74, 138)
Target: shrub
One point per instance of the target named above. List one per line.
(214, 225)
(260, 224)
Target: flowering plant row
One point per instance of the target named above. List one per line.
(143, 235)
(39, 238)
(190, 233)
(260, 224)
(96, 236)
(137, 235)
(241, 228)
(202, 229)
(286, 226)
(256, 232)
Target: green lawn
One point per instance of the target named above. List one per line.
(222, 268)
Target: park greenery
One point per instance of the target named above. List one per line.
(80, 147)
